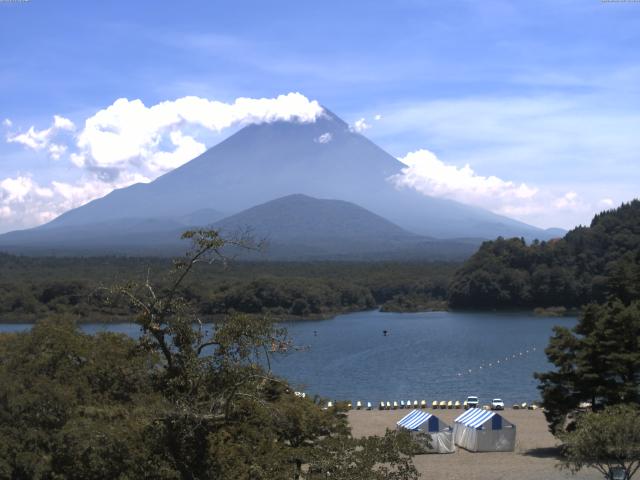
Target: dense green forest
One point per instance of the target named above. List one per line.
(590, 264)
(34, 287)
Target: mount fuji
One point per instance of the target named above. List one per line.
(259, 164)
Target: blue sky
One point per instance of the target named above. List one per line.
(528, 108)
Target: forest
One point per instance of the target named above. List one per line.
(590, 264)
(34, 287)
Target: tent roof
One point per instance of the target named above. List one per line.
(414, 419)
(475, 417)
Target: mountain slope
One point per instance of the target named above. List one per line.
(301, 227)
(324, 159)
(295, 227)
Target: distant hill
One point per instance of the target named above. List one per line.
(263, 162)
(588, 264)
(301, 227)
(130, 236)
(295, 227)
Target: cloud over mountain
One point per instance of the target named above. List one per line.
(428, 174)
(129, 142)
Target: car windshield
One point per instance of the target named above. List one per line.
(497, 400)
(472, 399)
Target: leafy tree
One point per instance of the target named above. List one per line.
(605, 440)
(598, 361)
(186, 401)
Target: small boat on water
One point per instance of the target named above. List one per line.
(423, 404)
(369, 407)
(434, 404)
(358, 405)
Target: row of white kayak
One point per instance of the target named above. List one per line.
(423, 404)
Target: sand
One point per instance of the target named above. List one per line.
(534, 458)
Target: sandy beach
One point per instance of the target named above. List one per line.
(534, 458)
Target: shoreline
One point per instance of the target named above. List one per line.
(535, 457)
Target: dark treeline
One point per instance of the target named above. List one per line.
(34, 287)
(590, 264)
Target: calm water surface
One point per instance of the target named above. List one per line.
(434, 355)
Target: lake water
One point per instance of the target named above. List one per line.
(434, 355)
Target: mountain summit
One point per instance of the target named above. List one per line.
(263, 162)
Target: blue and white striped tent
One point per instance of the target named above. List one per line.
(420, 423)
(481, 430)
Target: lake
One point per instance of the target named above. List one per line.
(432, 355)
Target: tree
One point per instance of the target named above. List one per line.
(187, 401)
(605, 440)
(597, 362)
(229, 416)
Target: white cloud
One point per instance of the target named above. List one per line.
(129, 142)
(7, 122)
(431, 176)
(428, 174)
(42, 139)
(15, 189)
(568, 200)
(25, 203)
(62, 123)
(56, 150)
(187, 148)
(324, 138)
(377, 117)
(606, 202)
(128, 131)
(360, 126)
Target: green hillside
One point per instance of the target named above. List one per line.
(589, 264)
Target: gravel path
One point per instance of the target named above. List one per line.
(535, 456)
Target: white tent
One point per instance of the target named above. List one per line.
(481, 430)
(429, 431)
